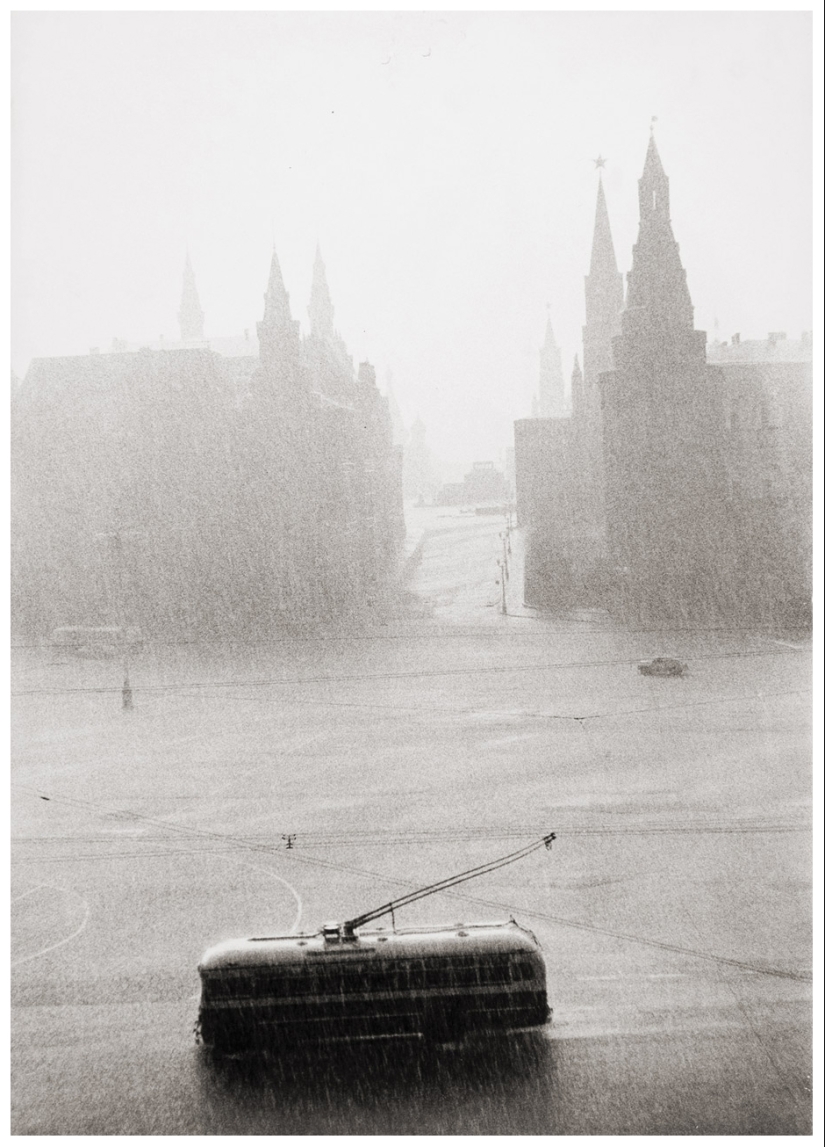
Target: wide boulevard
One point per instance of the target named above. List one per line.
(268, 786)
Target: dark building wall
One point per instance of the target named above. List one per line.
(768, 457)
(666, 495)
(558, 567)
(177, 491)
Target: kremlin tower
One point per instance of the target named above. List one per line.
(662, 428)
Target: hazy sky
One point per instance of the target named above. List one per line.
(443, 161)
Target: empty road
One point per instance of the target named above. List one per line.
(270, 786)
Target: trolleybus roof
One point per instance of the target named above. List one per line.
(409, 943)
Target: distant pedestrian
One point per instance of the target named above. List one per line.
(127, 693)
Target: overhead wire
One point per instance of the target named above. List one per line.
(302, 858)
(302, 839)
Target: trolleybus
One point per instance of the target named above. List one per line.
(347, 982)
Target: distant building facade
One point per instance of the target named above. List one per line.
(680, 487)
(484, 483)
(421, 471)
(767, 416)
(193, 492)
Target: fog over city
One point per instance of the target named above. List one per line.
(443, 161)
(412, 574)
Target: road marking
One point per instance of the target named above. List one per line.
(23, 895)
(66, 939)
(281, 880)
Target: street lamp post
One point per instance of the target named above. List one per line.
(126, 692)
(116, 544)
(502, 579)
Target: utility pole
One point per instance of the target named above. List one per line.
(115, 541)
(126, 692)
(502, 579)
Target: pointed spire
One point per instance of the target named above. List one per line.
(320, 308)
(602, 253)
(603, 298)
(657, 282)
(551, 379)
(653, 163)
(276, 299)
(576, 384)
(366, 376)
(278, 337)
(190, 315)
(654, 186)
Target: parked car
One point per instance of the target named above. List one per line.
(98, 641)
(662, 667)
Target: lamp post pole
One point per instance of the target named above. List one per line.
(126, 692)
(115, 541)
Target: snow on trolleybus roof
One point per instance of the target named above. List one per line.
(348, 982)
